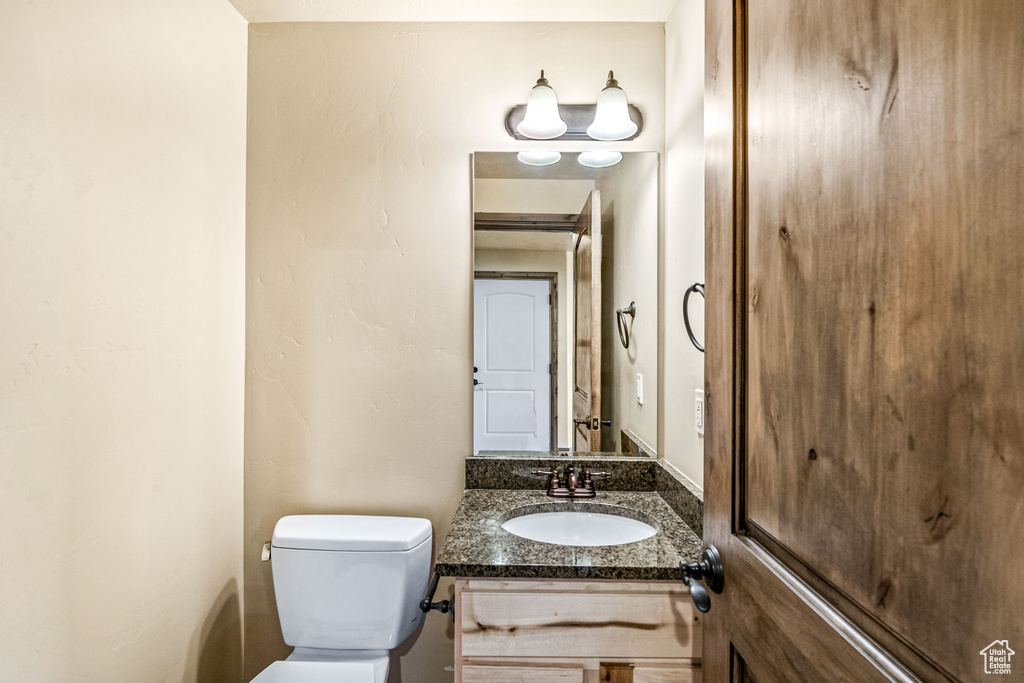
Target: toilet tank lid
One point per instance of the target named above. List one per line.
(350, 532)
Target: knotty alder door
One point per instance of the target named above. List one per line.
(864, 472)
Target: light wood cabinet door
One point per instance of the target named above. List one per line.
(600, 631)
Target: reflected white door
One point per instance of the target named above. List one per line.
(512, 355)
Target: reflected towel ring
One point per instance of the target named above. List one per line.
(699, 288)
(620, 319)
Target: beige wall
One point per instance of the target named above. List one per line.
(682, 250)
(122, 162)
(629, 225)
(359, 263)
(559, 262)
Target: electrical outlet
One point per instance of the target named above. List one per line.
(698, 405)
(639, 388)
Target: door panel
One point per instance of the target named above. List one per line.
(865, 436)
(512, 354)
(586, 401)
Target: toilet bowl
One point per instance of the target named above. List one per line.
(348, 589)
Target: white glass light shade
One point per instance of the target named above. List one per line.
(599, 158)
(539, 157)
(612, 120)
(542, 121)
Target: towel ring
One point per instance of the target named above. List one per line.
(699, 288)
(620, 319)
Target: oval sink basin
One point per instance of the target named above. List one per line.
(579, 528)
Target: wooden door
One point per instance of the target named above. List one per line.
(864, 457)
(512, 355)
(586, 395)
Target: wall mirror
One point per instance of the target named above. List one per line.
(565, 313)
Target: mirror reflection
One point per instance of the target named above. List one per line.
(565, 325)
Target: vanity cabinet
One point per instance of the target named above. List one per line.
(575, 631)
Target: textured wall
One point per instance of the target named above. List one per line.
(358, 347)
(682, 252)
(122, 179)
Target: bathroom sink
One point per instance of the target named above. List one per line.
(579, 527)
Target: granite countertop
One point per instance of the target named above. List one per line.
(477, 546)
(562, 455)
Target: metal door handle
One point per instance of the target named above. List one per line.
(592, 423)
(709, 570)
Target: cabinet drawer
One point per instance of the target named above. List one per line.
(508, 673)
(579, 620)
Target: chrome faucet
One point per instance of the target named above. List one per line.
(579, 485)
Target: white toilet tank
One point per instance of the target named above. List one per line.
(348, 582)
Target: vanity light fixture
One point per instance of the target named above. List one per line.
(542, 121)
(542, 118)
(599, 158)
(612, 120)
(539, 157)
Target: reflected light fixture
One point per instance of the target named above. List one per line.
(599, 158)
(542, 120)
(539, 157)
(612, 120)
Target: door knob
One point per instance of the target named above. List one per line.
(709, 570)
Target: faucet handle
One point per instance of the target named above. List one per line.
(596, 475)
(552, 475)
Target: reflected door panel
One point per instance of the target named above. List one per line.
(586, 399)
(512, 354)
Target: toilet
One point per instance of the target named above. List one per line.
(348, 589)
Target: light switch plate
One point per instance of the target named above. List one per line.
(639, 388)
(698, 405)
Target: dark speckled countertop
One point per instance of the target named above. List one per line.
(477, 546)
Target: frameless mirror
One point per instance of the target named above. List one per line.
(565, 314)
